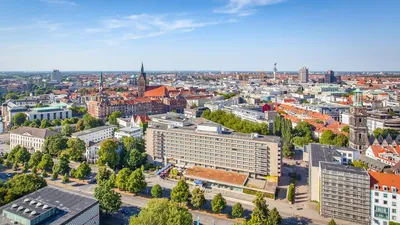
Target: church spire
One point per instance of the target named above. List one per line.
(142, 70)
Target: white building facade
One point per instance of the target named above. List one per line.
(29, 137)
(96, 134)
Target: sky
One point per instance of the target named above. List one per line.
(223, 35)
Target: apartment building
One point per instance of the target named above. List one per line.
(345, 192)
(135, 132)
(385, 198)
(49, 113)
(207, 145)
(316, 153)
(29, 137)
(95, 134)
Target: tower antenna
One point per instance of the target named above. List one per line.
(275, 70)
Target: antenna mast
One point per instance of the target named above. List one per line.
(275, 70)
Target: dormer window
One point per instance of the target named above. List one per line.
(394, 189)
(376, 187)
(385, 188)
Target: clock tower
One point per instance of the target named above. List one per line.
(358, 123)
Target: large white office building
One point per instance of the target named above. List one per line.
(96, 134)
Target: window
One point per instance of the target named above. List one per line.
(393, 203)
(394, 196)
(385, 202)
(385, 195)
(393, 210)
(394, 218)
(376, 193)
(376, 201)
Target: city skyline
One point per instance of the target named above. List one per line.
(216, 35)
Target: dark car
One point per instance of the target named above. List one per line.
(92, 181)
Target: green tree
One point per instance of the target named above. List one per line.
(237, 210)
(80, 125)
(54, 144)
(156, 191)
(359, 164)
(274, 217)
(103, 174)
(180, 193)
(108, 153)
(67, 130)
(76, 148)
(11, 95)
(83, 171)
(63, 162)
(112, 180)
(134, 159)
(72, 172)
(161, 211)
(65, 178)
(18, 119)
(44, 174)
(56, 122)
(218, 203)
(341, 140)
(327, 137)
(22, 156)
(45, 123)
(260, 212)
(23, 184)
(198, 199)
(136, 182)
(288, 150)
(46, 163)
(54, 175)
(122, 179)
(346, 129)
(35, 159)
(332, 222)
(109, 200)
(25, 168)
(112, 118)
(15, 166)
(291, 193)
(34, 170)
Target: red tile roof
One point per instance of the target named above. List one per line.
(384, 179)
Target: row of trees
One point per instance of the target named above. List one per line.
(385, 132)
(20, 119)
(234, 122)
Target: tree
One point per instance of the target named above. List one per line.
(35, 159)
(198, 199)
(237, 210)
(136, 181)
(156, 191)
(56, 122)
(346, 129)
(180, 193)
(25, 168)
(290, 193)
(18, 119)
(54, 175)
(161, 211)
(112, 118)
(134, 159)
(108, 153)
(67, 130)
(63, 164)
(332, 222)
(44, 174)
(109, 200)
(45, 123)
(22, 156)
(274, 217)
(260, 212)
(23, 184)
(65, 178)
(327, 137)
(288, 150)
(54, 144)
(72, 172)
(34, 170)
(122, 179)
(11, 95)
(76, 148)
(359, 164)
(218, 203)
(80, 126)
(112, 180)
(341, 140)
(83, 171)
(103, 174)
(15, 166)
(46, 163)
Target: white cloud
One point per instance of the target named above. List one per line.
(61, 2)
(140, 26)
(244, 7)
(41, 24)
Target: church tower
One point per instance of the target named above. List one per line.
(142, 83)
(101, 81)
(358, 123)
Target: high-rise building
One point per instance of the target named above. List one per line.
(56, 76)
(142, 83)
(330, 77)
(101, 82)
(358, 123)
(303, 75)
(207, 145)
(345, 193)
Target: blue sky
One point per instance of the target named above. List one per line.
(225, 35)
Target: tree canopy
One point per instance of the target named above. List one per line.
(218, 203)
(76, 148)
(108, 153)
(156, 191)
(180, 193)
(109, 200)
(162, 211)
(83, 171)
(54, 144)
(18, 119)
(198, 199)
(112, 118)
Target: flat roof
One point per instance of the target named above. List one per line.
(70, 204)
(91, 130)
(47, 109)
(330, 166)
(321, 153)
(217, 176)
